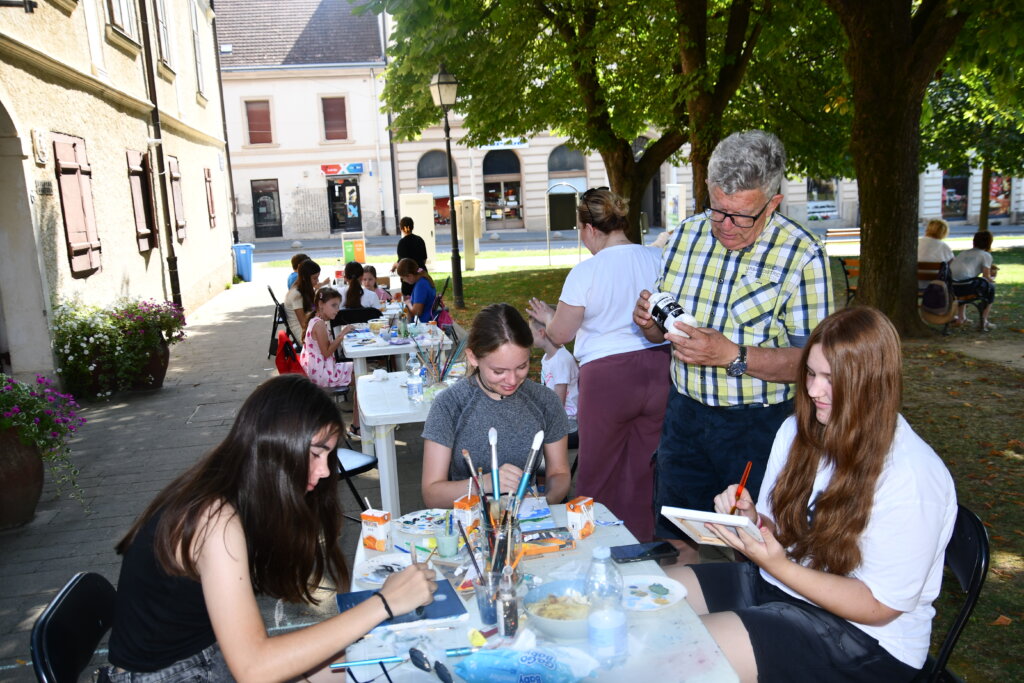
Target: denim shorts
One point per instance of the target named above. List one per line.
(207, 666)
(792, 639)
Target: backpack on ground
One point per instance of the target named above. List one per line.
(938, 304)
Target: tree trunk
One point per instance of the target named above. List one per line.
(986, 182)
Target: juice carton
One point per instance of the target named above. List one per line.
(376, 529)
(579, 516)
(467, 511)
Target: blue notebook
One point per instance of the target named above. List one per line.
(446, 607)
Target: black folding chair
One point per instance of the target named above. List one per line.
(66, 634)
(967, 558)
(352, 463)
(280, 318)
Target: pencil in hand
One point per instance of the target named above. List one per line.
(743, 483)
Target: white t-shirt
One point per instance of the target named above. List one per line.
(608, 285)
(292, 303)
(968, 264)
(904, 543)
(369, 299)
(561, 368)
(933, 250)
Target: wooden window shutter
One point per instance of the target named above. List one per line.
(139, 179)
(335, 123)
(74, 179)
(179, 206)
(209, 197)
(257, 114)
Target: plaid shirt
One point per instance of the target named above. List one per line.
(769, 295)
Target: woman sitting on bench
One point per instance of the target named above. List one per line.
(856, 511)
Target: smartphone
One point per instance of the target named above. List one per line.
(640, 552)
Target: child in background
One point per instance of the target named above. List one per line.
(370, 283)
(559, 372)
(317, 356)
(296, 261)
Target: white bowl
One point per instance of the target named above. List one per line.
(559, 629)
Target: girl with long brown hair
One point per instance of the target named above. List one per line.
(496, 394)
(420, 304)
(258, 514)
(855, 510)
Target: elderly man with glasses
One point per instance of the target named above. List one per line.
(757, 283)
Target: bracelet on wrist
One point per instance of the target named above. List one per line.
(387, 607)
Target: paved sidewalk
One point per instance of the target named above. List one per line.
(138, 442)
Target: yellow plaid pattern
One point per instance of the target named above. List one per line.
(769, 295)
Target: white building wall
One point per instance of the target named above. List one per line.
(299, 148)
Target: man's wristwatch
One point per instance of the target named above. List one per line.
(738, 366)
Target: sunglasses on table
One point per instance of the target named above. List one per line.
(740, 220)
(418, 658)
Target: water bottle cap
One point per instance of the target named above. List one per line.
(602, 552)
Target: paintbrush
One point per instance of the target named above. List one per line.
(472, 470)
(492, 438)
(472, 555)
(524, 481)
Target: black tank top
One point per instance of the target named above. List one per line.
(160, 619)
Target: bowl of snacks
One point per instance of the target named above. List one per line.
(558, 609)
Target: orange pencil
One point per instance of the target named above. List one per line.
(739, 489)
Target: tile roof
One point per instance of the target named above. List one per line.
(295, 32)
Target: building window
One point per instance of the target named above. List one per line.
(503, 202)
(822, 201)
(140, 181)
(335, 121)
(174, 172)
(197, 48)
(163, 39)
(210, 206)
(74, 180)
(954, 194)
(432, 177)
(122, 16)
(257, 113)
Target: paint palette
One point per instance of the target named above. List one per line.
(422, 522)
(650, 592)
(376, 570)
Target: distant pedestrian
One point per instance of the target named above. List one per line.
(931, 248)
(258, 515)
(412, 247)
(974, 273)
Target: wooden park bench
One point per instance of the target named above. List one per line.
(851, 271)
(842, 234)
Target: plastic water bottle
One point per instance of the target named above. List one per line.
(606, 621)
(414, 382)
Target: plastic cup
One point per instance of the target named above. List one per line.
(486, 588)
(447, 545)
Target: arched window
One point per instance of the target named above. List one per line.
(503, 201)
(432, 177)
(565, 160)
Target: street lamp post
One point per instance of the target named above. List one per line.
(443, 88)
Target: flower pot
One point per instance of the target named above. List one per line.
(152, 374)
(21, 480)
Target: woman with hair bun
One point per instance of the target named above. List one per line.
(624, 378)
(855, 511)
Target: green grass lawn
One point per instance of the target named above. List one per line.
(970, 411)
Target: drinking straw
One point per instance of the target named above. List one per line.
(472, 555)
(367, 499)
(739, 489)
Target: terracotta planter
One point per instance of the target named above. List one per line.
(21, 480)
(153, 372)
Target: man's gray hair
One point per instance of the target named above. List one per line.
(754, 160)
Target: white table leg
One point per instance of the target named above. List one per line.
(384, 442)
(359, 368)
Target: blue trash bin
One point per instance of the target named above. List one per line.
(243, 260)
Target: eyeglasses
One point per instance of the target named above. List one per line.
(585, 198)
(418, 658)
(740, 220)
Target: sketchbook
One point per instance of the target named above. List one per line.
(447, 607)
(691, 522)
